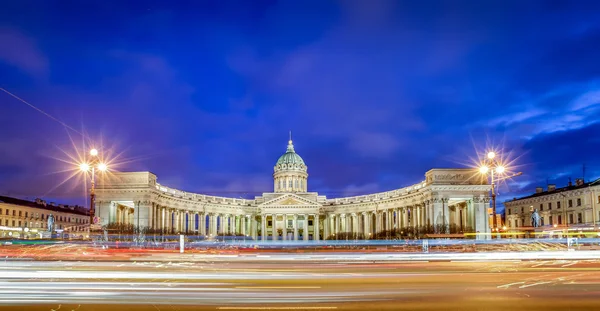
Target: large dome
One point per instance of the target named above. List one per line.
(290, 160)
(290, 172)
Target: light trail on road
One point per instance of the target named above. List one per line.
(301, 282)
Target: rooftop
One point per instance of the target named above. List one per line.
(39, 203)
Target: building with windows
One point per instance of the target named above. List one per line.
(446, 197)
(20, 218)
(574, 205)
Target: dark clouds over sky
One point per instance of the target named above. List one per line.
(376, 92)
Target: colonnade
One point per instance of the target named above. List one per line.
(305, 226)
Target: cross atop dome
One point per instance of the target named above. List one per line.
(290, 147)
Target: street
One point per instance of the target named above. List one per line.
(281, 282)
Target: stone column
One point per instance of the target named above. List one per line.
(316, 227)
(305, 227)
(295, 223)
(326, 227)
(365, 216)
(336, 222)
(482, 227)
(254, 225)
(243, 225)
(214, 217)
(284, 237)
(263, 226)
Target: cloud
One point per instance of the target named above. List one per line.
(22, 52)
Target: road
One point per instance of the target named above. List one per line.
(278, 282)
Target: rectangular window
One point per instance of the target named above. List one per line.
(19, 223)
(550, 220)
(509, 211)
(542, 221)
(541, 206)
(13, 223)
(579, 218)
(578, 202)
(270, 223)
(570, 203)
(26, 214)
(310, 222)
(558, 204)
(560, 219)
(549, 205)
(7, 212)
(570, 218)
(20, 214)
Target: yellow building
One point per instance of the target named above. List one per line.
(19, 218)
(575, 205)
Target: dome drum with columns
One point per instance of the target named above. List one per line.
(445, 197)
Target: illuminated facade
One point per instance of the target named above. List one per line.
(450, 197)
(18, 217)
(573, 205)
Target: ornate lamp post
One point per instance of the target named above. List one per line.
(93, 165)
(496, 171)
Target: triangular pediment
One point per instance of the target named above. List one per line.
(290, 199)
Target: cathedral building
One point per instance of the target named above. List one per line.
(457, 197)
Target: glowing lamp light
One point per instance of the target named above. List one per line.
(491, 155)
(504, 228)
(500, 169)
(102, 167)
(94, 152)
(84, 167)
(484, 169)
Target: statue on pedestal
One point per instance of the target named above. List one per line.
(535, 219)
(50, 223)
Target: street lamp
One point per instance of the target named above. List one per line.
(93, 165)
(495, 169)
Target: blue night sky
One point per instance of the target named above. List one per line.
(203, 93)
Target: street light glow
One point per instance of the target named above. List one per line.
(491, 155)
(102, 167)
(84, 167)
(94, 152)
(500, 169)
(484, 169)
